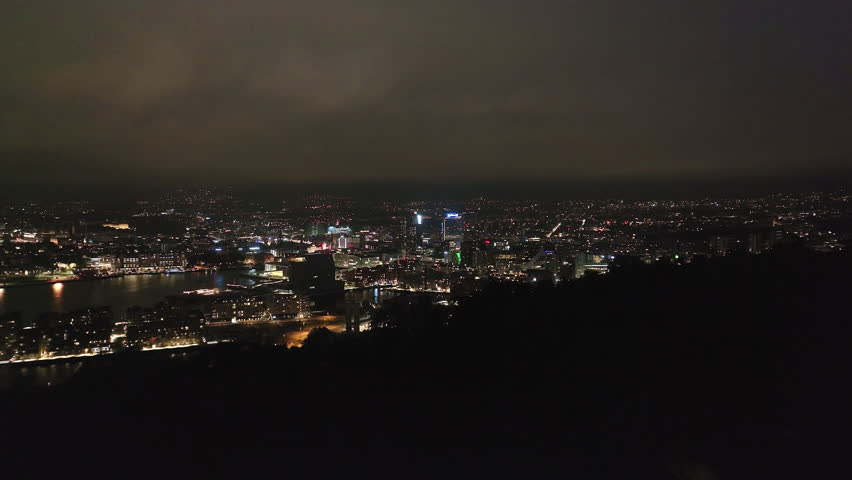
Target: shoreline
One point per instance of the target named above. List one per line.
(303, 327)
(105, 277)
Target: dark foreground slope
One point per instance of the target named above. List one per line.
(738, 368)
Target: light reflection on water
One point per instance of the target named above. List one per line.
(122, 292)
(118, 293)
(44, 375)
(57, 296)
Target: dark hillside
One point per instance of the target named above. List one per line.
(736, 368)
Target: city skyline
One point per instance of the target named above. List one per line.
(426, 238)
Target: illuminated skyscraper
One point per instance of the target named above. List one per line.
(452, 227)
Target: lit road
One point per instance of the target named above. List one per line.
(335, 323)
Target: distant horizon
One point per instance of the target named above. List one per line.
(615, 187)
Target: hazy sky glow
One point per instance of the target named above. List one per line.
(336, 90)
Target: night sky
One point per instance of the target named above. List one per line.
(295, 91)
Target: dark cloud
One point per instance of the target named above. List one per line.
(289, 91)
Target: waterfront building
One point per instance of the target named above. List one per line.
(149, 262)
(314, 274)
(237, 307)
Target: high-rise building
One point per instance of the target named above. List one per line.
(476, 254)
(425, 224)
(8, 336)
(763, 240)
(585, 262)
(341, 243)
(313, 273)
(452, 227)
(316, 228)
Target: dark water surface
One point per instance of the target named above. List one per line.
(118, 293)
